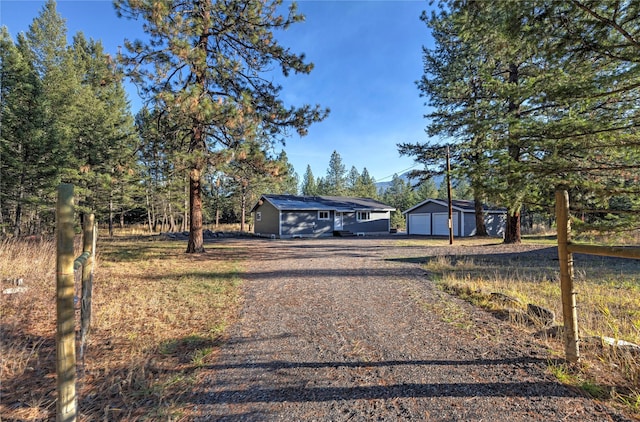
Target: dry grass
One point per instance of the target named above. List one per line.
(143, 230)
(158, 315)
(608, 306)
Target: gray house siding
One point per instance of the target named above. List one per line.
(268, 224)
(429, 207)
(305, 223)
(469, 224)
(378, 222)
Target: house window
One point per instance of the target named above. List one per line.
(258, 216)
(363, 216)
(323, 215)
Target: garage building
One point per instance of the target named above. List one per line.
(431, 218)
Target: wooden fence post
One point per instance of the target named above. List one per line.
(65, 339)
(88, 245)
(569, 312)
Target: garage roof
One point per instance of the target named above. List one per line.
(461, 205)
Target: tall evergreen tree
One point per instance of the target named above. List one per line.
(252, 171)
(22, 146)
(104, 133)
(352, 179)
(163, 171)
(534, 107)
(366, 185)
(400, 196)
(44, 145)
(203, 65)
(336, 179)
(322, 187)
(309, 184)
(426, 189)
(286, 181)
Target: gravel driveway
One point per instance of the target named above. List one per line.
(350, 329)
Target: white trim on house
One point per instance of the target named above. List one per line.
(361, 214)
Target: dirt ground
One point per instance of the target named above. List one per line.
(352, 329)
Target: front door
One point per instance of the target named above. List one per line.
(337, 221)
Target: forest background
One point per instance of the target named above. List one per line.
(535, 95)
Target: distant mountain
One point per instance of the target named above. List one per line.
(382, 186)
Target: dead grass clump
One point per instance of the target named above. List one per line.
(158, 317)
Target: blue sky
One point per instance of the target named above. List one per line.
(367, 56)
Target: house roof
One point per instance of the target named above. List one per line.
(461, 205)
(330, 203)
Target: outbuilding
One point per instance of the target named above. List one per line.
(431, 218)
(286, 216)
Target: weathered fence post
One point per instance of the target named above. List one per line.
(88, 245)
(65, 339)
(569, 312)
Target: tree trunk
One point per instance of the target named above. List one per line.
(149, 219)
(165, 220)
(243, 207)
(18, 220)
(185, 216)
(196, 241)
(481, 228)
(198, 148)
(111, 217)
(512, 232)
(172, 221)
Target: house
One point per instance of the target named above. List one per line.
(431, 218)
(287, 216)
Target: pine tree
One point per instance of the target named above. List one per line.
(287, 181)
(335, 181)
(42, 113)
(426, 189)
(20, 137)
(163, 171)
(531, 106)
(252, 171)
(203, 65)
(309, 184)
(104, 134)
(366, 185)
(322, 187)
(399, 194)
(352, 179)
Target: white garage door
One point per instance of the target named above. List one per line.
(441, 224)
(420, 224)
